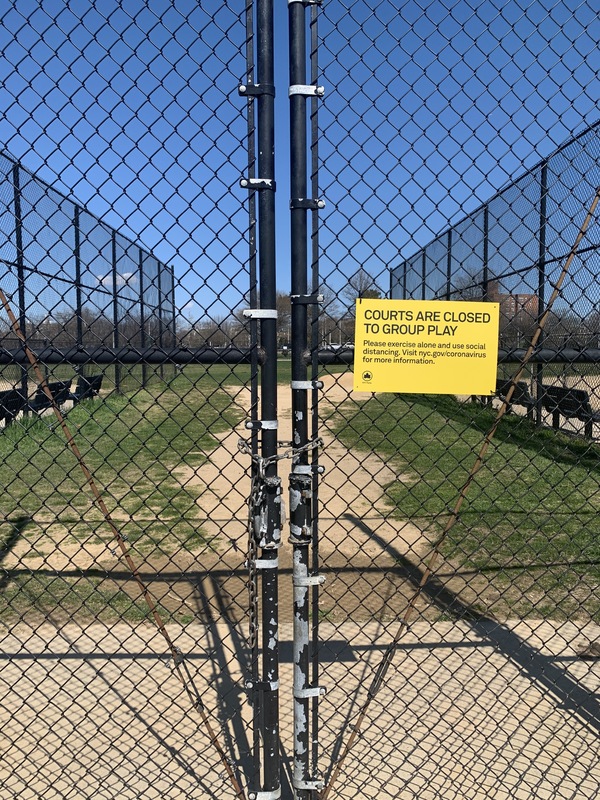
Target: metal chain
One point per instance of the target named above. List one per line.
(256, 505)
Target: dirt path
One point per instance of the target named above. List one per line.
(351, 492)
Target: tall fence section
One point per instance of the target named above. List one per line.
(224, 573)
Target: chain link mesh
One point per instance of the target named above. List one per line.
(456, 152)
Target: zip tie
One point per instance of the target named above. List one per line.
(306, 91)
(260, 313)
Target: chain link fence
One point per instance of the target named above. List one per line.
(190, 209)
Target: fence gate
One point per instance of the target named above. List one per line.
(224, 572)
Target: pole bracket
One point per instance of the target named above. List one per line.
(309, 580)
(307, 385)
(306, 202)
(309, 784)
(306, 90)
(261, 425)
(266, 563)
(260, 313)
(256, 89)
(274, 795)
(311, 691)
(258, 184)
(306, 299)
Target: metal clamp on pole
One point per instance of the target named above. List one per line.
(256, 89)
(258, 184)
(312, 691)
(274, 795)
(266, 563)
(261, 425)
(306, 299)
(310, 580)
(311, 784)
(306, 202)
(307, 385)
(306, 90)
(260, 313)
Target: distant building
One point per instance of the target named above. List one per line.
(511, 305)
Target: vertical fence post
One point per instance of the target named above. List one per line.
(300, 478)
(485, 276)
(302, 489)
(78, 292)
(159, 269)
(315, 343)
(270, 532)
(20, 266)
(254, 666)
(539, 370)
(142, 314)
(449, 266)
(116, 339)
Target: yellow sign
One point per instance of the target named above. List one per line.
(426, 346)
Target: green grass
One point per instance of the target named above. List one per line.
(136, 446)
(530, 525)
(59, 598)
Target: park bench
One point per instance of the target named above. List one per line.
(60, 390)
(88, 386)
(520, 396)
(12, 402)
(570, 403)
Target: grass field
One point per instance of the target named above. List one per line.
(530, 527)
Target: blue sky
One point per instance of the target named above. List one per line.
(132, 110)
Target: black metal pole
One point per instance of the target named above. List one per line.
(78, 285)
(303, 493)
(270, 532)
(539, 369)
(449, 266)
(486, 252)
(142, 313)
(300, 477)
(20, 267)
(116, 339)
(315, 342)
(159, 267)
